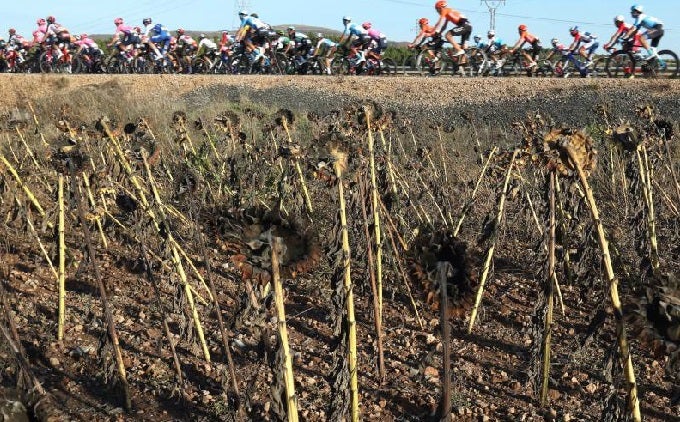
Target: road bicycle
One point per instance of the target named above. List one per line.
(572, 64)
(631, 61)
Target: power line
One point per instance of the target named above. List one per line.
(493, 5)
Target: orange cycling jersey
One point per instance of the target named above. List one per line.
(426, 31)
(451, 15)
(527, 37)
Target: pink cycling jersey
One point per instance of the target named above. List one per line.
(87, 43)
(123, 29)
(375, 34)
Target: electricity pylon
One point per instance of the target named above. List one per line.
(493, 5)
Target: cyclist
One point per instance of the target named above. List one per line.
(252, 34)
(653, 26)
(355, 38)
(185, 48)
(526, 37)
(326, 48)
(160, 37)
(462, 27)
(302, 44)
(123, 38)
(147, 24)
(378, 41)
(426, 31)
(561, 50)
(585, 44)
(495, 48)
(39, 34)
(55, 34)
(622, 29)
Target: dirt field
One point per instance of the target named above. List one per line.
(227, 174)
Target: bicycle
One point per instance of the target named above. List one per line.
(631, 60)
(570, 64)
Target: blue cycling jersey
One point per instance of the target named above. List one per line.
(354, 29)
(645, 21)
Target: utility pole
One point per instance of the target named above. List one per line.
(493, 5)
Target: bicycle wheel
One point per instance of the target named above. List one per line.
(340, 66)
(388, 67)
(667, 64)
(409, 63)
(597, 69)
(45, 62)
(621, 64)
(280, 65)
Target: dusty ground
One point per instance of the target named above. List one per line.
(490, 365)
(442, 101)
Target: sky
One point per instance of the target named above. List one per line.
(396, 18)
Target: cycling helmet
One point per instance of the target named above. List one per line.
(522, 27)
(619, 19)
(180, 31)
(491, 33)
(440, 4)
(158, 28)
(366, 25)
(279, 33)
(83, 36)
(291, 28)
(573, 30)
(554, 42)
(636, 8)
(255, 15)
(51, 19)
(243, 13)
(118, 21)
(146, 21)
(423, 21)
(319, 35)
(137, 29)
(347, 19)
(200, 37)
(477, 38)
(41, 21)
(12, 31)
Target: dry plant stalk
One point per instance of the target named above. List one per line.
(349, 300)
(371, 273)
(62, 261)
(376, 216)
(28, 149)
(624, 349)
(173, 244)
(111, 327)
(164, 317)
(492, 247)
(390, 169)
(22, 186)
(291, 398)
(397, 258)
(647, 189)
(93, 205)
(298, 169)
(220, 322)
(178, 262)
(445, 409)
(37, 125)
(471, 201)
(42, 247)
(550, 283)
